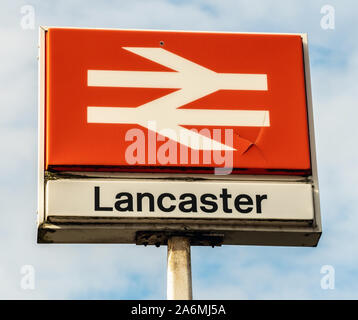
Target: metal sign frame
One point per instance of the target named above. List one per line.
(156, 231)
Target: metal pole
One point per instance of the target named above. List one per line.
(179, 269)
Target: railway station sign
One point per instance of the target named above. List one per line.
(176, 132)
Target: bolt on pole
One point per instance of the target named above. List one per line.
(179, 284)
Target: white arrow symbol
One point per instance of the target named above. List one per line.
(194, 82)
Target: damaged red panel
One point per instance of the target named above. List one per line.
(121, 100)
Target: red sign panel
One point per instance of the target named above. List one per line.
(162, 100)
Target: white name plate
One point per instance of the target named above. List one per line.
(179, 199)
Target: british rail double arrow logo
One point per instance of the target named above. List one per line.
(193, 81)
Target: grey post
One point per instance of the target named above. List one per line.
(179, 269)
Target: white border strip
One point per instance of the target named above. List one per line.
(41, 127)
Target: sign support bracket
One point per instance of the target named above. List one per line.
(179, 280)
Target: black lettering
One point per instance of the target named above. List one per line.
(224, 195)
(128, 201)
(140, 197)
(191, 202)
(160, 202)
(205, 202)
(243, 200)
(259, 199)
(97, 206)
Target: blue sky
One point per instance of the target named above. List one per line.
(229, 272)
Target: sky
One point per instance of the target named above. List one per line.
(120, 271)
